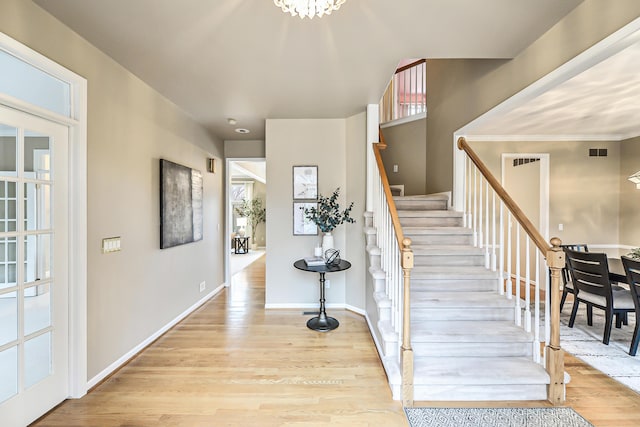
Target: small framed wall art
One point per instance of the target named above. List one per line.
(305, 182)
(301, 225)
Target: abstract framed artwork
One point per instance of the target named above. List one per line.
(305, 182)
(181, 217)
(301, 225)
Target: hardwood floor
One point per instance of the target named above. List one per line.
(232, 363)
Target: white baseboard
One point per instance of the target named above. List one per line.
(126, 357)
(356, 310)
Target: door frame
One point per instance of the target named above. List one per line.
(227, 210)
(77, 235)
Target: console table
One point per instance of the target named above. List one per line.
(322, 322)
(241, 245)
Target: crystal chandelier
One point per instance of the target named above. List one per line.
(310, 8)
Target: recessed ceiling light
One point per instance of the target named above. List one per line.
(242, 130)
(232, 121)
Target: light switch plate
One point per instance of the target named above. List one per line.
(110, 244)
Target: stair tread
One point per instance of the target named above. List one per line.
(447, 249)
(462, 272)
(478, 370)
(446, 331)
(441, 213)
(423, 197)
(407, 231)
(440, 299)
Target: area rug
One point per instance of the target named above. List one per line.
(495, 417)
(241, 261)
(585, 343)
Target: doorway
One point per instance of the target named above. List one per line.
(43, 235)
(525, 176)
(246, 187)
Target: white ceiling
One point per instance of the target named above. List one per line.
(248, 60)
(602, 102)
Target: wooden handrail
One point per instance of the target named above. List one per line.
(406, 262)
(393, 212)
(413, 64)
(528, 227)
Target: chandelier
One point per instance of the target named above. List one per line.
(310, 8)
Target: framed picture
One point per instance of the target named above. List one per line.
(181, 215)
(305, 182)
(301, 225)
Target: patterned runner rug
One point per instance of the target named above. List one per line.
(495, 417)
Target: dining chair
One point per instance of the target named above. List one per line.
(590, 275)
(567, 284)
(632, 269)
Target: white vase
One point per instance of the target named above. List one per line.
(327, 242)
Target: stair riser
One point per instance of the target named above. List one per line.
(462, 349)
(438, 285)
(447, 260)
(421, 205)
(440, 239)
(458, 313)
(430, 221)
(479, 392)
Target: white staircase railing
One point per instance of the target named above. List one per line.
(510, 241)
(396, 260)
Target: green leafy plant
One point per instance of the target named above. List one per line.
(328, 214)
(635, 253)
(254, 211)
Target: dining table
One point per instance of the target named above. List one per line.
(616, 271)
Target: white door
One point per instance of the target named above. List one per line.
(34, 315)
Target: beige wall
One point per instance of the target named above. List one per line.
(461, 90)
(326, 143)
(629, 195)
(244, 149)
(135, 292)
(583, 192)
(356, 150)
(406, 147)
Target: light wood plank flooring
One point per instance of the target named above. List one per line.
(232, 363)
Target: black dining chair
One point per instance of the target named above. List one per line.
(567, 284)
(632, 269)
(590, 275)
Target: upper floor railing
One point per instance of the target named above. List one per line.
(406, 94)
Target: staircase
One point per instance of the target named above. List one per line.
(466, 344)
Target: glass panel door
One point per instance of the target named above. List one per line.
(33, 271)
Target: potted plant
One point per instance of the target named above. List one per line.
(256, 213)
(635, 254)
(328, 215)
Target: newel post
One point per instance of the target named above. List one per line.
(554, 353)
(407, 351)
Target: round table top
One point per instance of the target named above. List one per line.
(343, 265)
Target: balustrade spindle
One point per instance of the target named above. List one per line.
(518, 308)
(527, 309)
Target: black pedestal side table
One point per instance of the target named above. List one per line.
(322, 322)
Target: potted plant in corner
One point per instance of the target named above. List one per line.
(327, 216)
(256, 213)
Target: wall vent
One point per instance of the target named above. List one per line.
(518, 162)
(597, 152)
